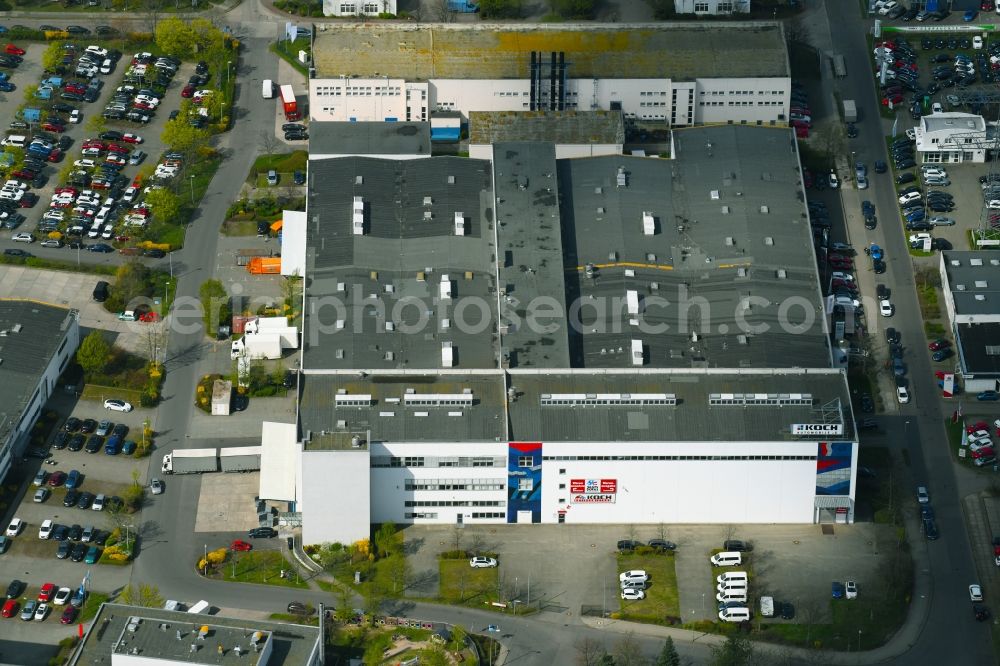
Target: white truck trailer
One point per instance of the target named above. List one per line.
(240, 458)
(191, 461)
(266, 337)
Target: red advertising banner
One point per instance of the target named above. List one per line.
(578, 485)
(609, 485)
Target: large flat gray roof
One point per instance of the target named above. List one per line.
(374, 300)
(680, 51)
(531, 253)
(369, 138)
(974, 281)
(168, 635)
(324, 411)
(30, 335)
(692, 418)
(979, 347)
(559, 127)
(731, 250)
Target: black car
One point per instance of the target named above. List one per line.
(296, 136)
(72, 424)
(154, 253)
(240, 402)
(892, 336)
(290, 379)
(14, 252)
(786, 610)
(930, 529)
(299, 178)
(105, 30)
(79, 552)
(262, 533)
(86, 499)
(64, 549)
(76, 442)
(878, 266)
(94, 444)
(60, 440)
(77, 30)
(880, 166)
(871, 222)
(72, 497)
(14, 589)
(59, 533)
(980, 612)
(627, 545)
(852, 131)
(735, 545)
(75, 533)
(101, 247)
(662, 544)
(120, 429)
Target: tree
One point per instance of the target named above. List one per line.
(147, 596)
(131, 282)
(385, 538)
(434, 656)
(628, 652)
(52, 57)
(96, 123)
(736, 651)
(180, 136)
(574, 9)
(94, 353)
(501, 9)
(441, 11)
(459, 634)
(214, 304)
(166, 205)
(589, 652)
(154, 340)
(668, 655)
(174, 36)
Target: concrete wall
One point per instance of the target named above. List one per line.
(335, 492)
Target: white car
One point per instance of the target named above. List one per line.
(977, 42)
(937, 108)
(146, 99)
(922, 495)
(15, 527)
(840, 275)
(862, 182)
(97, 51)
(911, 134)
(117, 405)
(41, 611)
(633, 595)
(480, 562)
(156, 487)
(23, 238)
(852, 590)
(909, 196)
(888, 7)
(62, 596)
(85, 164)
(833, 182)
(902, 395)
(130, 194)
(75, 116)
(45, 530)
(975, 593)
(929, 170)
(633, 575)
(99, 501)
(885, 307)
(979, 444)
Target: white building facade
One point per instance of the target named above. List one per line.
(358, 7)
(748, 101)
(951, 138)
(712, 7)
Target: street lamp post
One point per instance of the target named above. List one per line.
(859, 640)
(205, 568)
(192, 189)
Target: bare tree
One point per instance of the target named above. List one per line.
(457, 534)
(811, 614)
(589, 652)
(154, 340)
(439, 8)
(628, 652)
(661, 531)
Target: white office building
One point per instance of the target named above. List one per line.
(952, 138)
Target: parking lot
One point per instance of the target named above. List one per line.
(572, 567)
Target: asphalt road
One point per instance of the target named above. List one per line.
(950, 622)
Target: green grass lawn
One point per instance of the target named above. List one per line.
(260, 566)
(280, 162)
(91, 605)
(239, 228)
(465, 586)
(661, 602)
(291, 618)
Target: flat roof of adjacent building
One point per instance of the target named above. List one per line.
(974, 281)
(30, 335)
(558, 127)
(375, 300)
(408, 406)
(369, 138)
(954, 121)
(979, 348)
(679, 51)
(728, 277)
(680, 405)
(153, 633)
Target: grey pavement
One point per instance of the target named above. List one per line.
(244, 424)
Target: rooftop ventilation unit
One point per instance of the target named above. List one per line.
(353, 400)
(358, 216)
(428, 201)
(445, 287)
(437, 399)
(621, 177)
(648, 224)
(459, 224)
(359, 180)
(609, 399)
(980, 284)
(714, 194)
(447, 355)
(975, 262)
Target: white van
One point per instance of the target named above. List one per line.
(767, 606)
(735, 614)
(15, 140)
(731, 585)
(735, 595)
(200, 607)
(726, 559)
(636, 584)
(102, 214)
(731, 575)
(268, 89)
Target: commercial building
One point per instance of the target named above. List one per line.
(123, 635)
(37, 342)
(574, 133)
(970, 282)
(591, 340)
(952, 138)
(358, 7)
(712, 7)
(681, 73)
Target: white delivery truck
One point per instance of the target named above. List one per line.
(767, 606)
(268, 90)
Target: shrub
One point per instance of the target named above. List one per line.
(455, 555)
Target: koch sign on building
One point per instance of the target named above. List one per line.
(817, 429)
(593, 491)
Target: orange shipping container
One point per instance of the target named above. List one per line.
(264, 266)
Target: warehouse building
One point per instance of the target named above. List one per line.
(589, 340)
(37, 342)
(970, 281)
(681, 73)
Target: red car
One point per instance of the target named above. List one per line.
(10, 49)
(54, 156)
(10, 608)
(94, 143)
(131, 138)
(47, 592)
(840, 262)
(75, 88)
(69, 615)
(115, 148)
(25, 174)
(240, 545)
(893, 99)
(67, 190)
(942, 344)
(979, 425)
(986, 6)
(50, 126)
(57, 479)
(801, 132)
(188, 91)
